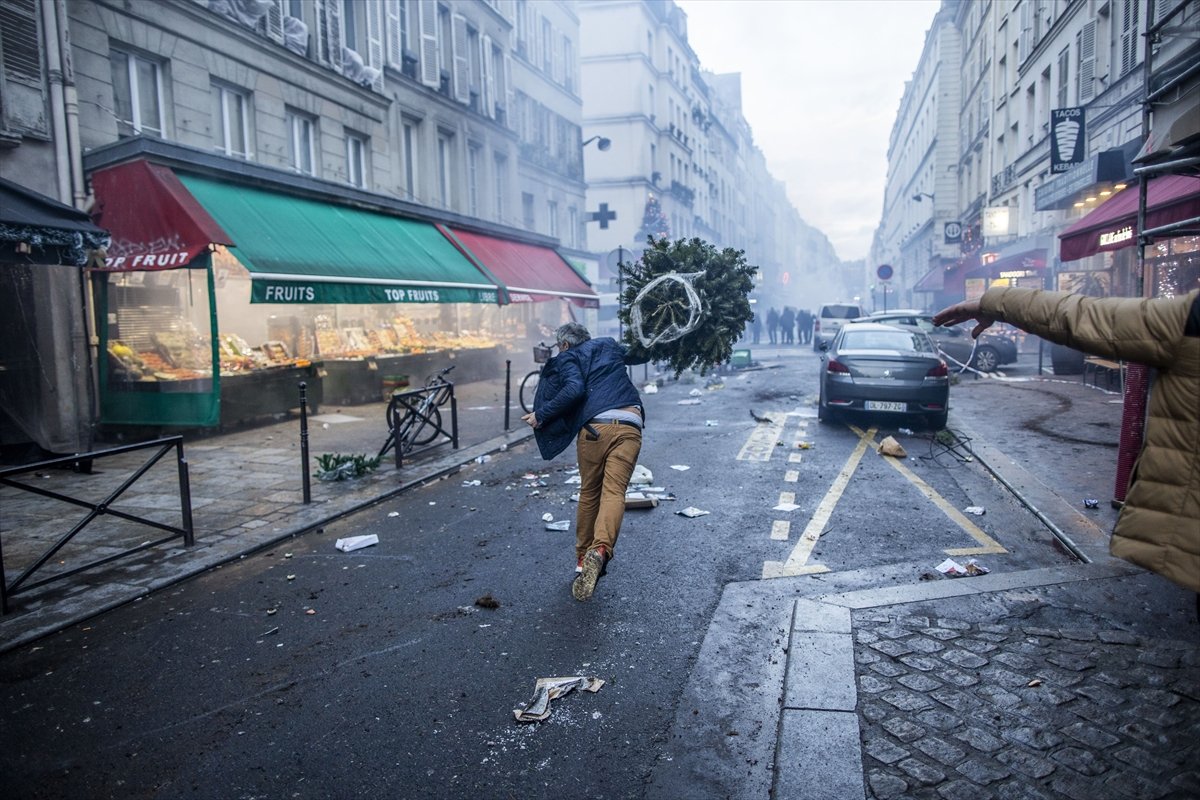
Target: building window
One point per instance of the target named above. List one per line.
(302, 142)
(409, 134)
(501, 167)
(572, 227)
(231, 130)
(552, 218)
(356, 160)
(446, 168)
(527, 211)
(137, 94)
(1064, 60)
(473, 180)
(547, 47)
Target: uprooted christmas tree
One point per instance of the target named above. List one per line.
(688, 330)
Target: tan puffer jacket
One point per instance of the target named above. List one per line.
(1159, 526)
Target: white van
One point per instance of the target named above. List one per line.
(830, 319)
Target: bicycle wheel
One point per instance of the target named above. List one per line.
(424, 429)
(529, 389)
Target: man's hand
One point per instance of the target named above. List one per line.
(961, 312)
(531, 420)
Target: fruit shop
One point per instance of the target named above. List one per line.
(220, 298)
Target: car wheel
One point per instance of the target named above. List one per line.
(986, 358)
(938, 421)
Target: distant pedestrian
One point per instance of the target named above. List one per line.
(756, 327)
(804, 322)
(772, 324)
(787, 325)
(1159, 524)
(585, 394)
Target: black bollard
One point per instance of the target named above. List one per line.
(304, 441)
(507, 390)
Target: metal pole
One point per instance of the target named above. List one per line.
(507, 390)
(304, 442)
(185, 495)
(620, 290)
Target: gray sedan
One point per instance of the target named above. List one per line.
(881, 369)
(993, 350)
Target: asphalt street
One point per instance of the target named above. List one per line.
(393, 671)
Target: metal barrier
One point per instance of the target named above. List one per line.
(95, 510)
(415, 421)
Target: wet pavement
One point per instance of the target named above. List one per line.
(1077, 681)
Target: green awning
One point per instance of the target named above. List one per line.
(304, 251)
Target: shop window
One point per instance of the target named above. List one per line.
(231, 123)
(302, 149)
(137, 94)
(357, 147)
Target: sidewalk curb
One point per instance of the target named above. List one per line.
(432, 470)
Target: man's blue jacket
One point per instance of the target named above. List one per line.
(575, 386)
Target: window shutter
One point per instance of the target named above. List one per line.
(329, 15)
(462, 65)
(272, 21)
(1023, 40)
(557, 39)
(427, 22)
(1087, 62)
(1129, 37)
(508, 86)
(19, 42)
(489, 80)
(375, 43)
(394, 40)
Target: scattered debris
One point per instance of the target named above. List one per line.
(641, 476)
(287, 555)
(547, 517)
(757, 418)
(650, 388)
(695, 393)
(487, 601)
(680, 467)
(927, 576)
(291, 577)
(978, 511)
(393, 513)
(640, 500)
(890, 447)
(482, 459)
(572, 480)
(311, 611)
(1091, 502)
(1034, 683)
(265, 634)
(785, 507)
(356, 542)
(905, 431)
(537, 708)
(711, 423)
(272, 612)
(339, 467)
(804, 445)
(475, 482)
(692, 402)
(691, 512)
(561, 525)
(952, 569)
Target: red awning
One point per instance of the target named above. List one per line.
(932, 281)
(1027, 260)
(155, 222)
(529, 273)
(1112, 226)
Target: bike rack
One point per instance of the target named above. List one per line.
(95, 510)
(411, 402)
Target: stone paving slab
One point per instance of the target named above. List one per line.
(819, 756)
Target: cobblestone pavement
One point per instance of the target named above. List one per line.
(960, 710)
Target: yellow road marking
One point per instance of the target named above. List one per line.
(791, 476)
(987, 544)
(797, 560)
(763, 439)
(794, 458)
(780, 529)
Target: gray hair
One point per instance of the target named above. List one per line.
(572, 333)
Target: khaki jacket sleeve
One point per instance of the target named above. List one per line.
(1148, 331)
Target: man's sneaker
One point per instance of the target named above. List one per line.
(593, 567)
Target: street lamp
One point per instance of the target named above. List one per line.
(603, 142)
(920, 195)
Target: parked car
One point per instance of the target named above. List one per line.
(873, 367)
(993, 350)
(829, 320)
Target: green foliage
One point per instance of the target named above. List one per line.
(338, 467)
(724, 288)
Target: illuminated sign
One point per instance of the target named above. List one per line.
(1017, 273)
(1117, 236)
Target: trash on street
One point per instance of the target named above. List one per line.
(537, 708)
(890, 447)
(641, 476)
(1091, 502)
(693, 402)
(905, 431)
(640, 500)
(393, 513)
(680, 467)
(804, 445)
(978, 511)
(695, 393)
(952, 569)
(692, 511)
(785, 507)
(561, 525)
(547, 517)
(650, 388)
(572, 480)
(487, 601)
(356, 542)
(475, 482)
(710, 423)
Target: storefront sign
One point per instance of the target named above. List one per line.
(996, 221)
(270, 291)
(179, 258)
(1109, 238)
(1016, 273)
(952, 233)
(1068, 138)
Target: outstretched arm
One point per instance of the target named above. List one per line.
(961, 312)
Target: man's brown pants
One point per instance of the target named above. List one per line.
(605, 464)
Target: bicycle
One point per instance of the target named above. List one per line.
(529, 384)
(419, 424)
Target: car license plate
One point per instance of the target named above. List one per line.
(878, 405)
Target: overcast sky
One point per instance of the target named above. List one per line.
(821, 82)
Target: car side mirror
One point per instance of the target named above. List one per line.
(824, 346)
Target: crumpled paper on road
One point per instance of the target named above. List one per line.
(890, 447)
(537, 708)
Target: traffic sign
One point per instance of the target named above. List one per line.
(885, 272)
